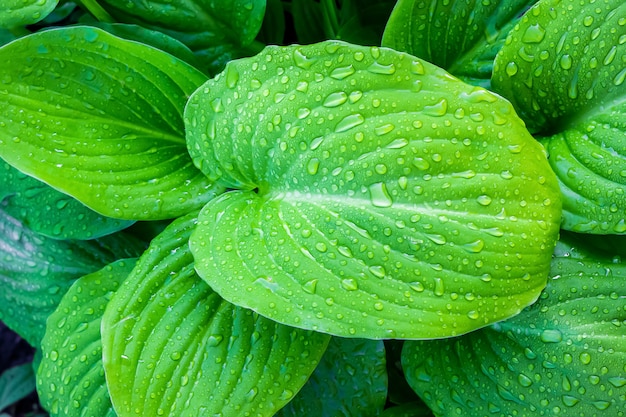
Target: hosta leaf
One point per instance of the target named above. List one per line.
(408, 410)
(100, 118)
(462, 37)
(197, 23)
(24, 12)
(565, 354)
(50, 212)
(16, 383)
(70, 379)
(188, 352)
(351, 380)
(35, 272)
(564, 68)
(378, 197)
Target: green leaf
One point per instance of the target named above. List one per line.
(564, 68)
(24, 12)
(16, 383)
(308, 16)
(566, 353)
(100, 118)
(351, 380)
(273, 28)
(197, 23)
(363, 21)
(70, 379)
(35, 272)
(50, 212)
(416, 409)
(189, 352)
(461, 37)
(379, 197)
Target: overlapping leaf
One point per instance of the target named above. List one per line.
(379, 196)
(191, 353)
(564, 69)
(462, 37)
(566, 353)
(100, 118)
(24, 12)
(35, 272)
(70, 379)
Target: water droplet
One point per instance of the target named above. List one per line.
(620, 77)
(302, 60)
(175, 356)
(377, 68)
(438, 239)
(381, 169)
(473, 314)
(214, 339)
(384, 129)
(341, 73)
(378, 306)
(421, 163)
(349, 122)
(565, 62)
(524, 380)
(417, 68)
(585, 358)
(511, 69)
(601, 405)
(232, 76)
(439, 109)
(534, 34)
(377, 271)
(484, 200)
(310, 286)
(439, 287)
(551, 336)
(610, 56)
(349, 284)
(379, 195)
(569, 400)
(474, 247)
(335, 99)
(303, 113)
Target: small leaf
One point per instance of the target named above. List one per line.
(100, 118)
(351, 380)
(24, 12)
(16, 383)
(70, 379)
(377, 196)
(50, 212)
(35, 272)
(189, 352)
(461, 37)
(566, 353)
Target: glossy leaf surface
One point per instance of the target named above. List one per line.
(350, 380)
(70, 379)
(100, 118)
(378, 196)
(192, 353)
(24, 12)
(566, 353)
(461, 37)
(49, 212)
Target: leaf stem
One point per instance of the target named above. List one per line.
(97, 11)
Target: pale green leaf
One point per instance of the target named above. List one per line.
(377, 197)
(100, 119)
(172, 346)
(70, 378)
(565, 354)
(24, 12)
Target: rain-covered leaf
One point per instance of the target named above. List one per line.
(100, 118)
(24, 12)
(189, 352)
(49, 212)
(35, 272)
(564, 69)
(378, 196)
(566, 354)
(70, 379)
(350, 381)
(197, 23)
(461, 37)
(16, 383)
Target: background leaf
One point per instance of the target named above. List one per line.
(50, 212)
(461, 37)
(70, 379)
(192, 353)
(100, 118)
(566, 353)
(35, 272)
(24, 12)
(379, 197)
(16, 383)
(350, 380)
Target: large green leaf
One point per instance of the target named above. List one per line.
(564, 355)
(50, 212)
(100, 118)
(172, 346)
(564, 67)
(462, 37)
(24, 12)
(350, 380)
(197, 23)
(35, 272)
(70, 379)
(379, 196)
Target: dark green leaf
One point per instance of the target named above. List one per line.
(35, 272)
(462, 37)
(378, 197)
(363, 21)
(416, 409)
(307, 21)
(350, 380)
(50, 212)
(565, 354)
(273, 28)
(100, 118)
(24, 12)
(16, 383)
(70, 379)
(189, 352)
